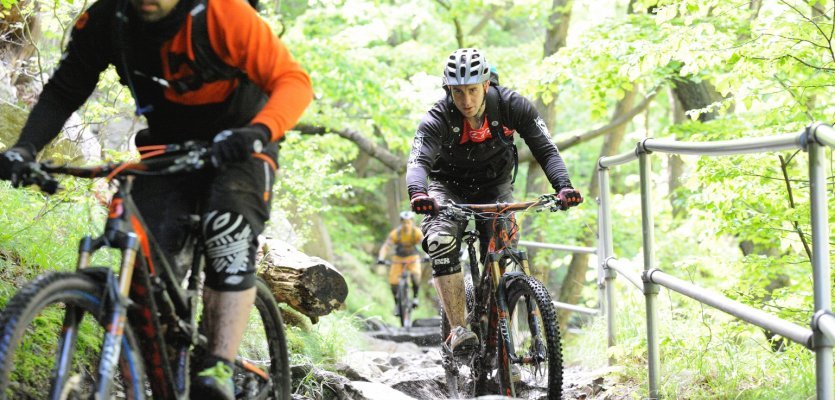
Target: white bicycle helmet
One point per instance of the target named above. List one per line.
(466, 67)
(406, 215)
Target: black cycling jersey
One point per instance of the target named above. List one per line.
(438, 154)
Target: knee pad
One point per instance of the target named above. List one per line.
(230, 251)
(443, 250)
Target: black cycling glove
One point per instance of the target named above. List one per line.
(569, 197)
(236, 145)
(12, 160)
(423, 204)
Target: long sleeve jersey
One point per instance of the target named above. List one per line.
(439, 153)
(152, 52)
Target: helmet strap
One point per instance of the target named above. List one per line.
(479, 115)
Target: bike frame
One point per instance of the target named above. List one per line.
(489, 287)
(147, 280)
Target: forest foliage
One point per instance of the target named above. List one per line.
(766, 67)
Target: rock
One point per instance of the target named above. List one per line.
(422, 336)
(378, 391)
(8, 93)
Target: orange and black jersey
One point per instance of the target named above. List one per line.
(162, 51)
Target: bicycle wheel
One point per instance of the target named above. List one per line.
(404, 301)
(262, 366)
(34, 365)
(534, 335)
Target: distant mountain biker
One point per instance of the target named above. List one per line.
(464, 146)
(152, 44)
(404, 239)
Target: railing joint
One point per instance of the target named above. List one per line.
(600, 167)
(609, 271)
(641, 148)
(819, 339)
(649, 286)
(807, 135)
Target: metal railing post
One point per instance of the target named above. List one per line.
(650, 289)
(604, 251)
(820, 267)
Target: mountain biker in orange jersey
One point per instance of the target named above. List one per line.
(404, 239)
(151, 44)
(464, 146)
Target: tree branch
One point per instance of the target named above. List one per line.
(806, 18)
(483, 21)
(525, 154)
(784, 167)
(389, 159)
(809, 65)
(797, 40)
(795, 98)
(459, 32)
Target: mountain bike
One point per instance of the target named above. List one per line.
(509, 310)
(403, 295)
(135, 330)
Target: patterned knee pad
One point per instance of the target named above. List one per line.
(443, 250)
(230, 251)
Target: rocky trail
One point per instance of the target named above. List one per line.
(396, 364)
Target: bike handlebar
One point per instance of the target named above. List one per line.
(166, 160)
(550, 201)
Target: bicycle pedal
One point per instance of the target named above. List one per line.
(465, 352)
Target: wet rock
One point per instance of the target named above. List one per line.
(434, 322)
(378, 391)
(417, 380)
(424, 332)
(582, 383)
(365, 366)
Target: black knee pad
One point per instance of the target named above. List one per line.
(230, 251)
(443, 250)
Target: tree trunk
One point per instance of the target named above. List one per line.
(20, 32)
(393, 189)
(309, 285)
(695, 95)
(555, 38)
(321, 244)
(575, 278)
(676, 166)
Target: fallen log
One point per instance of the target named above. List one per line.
(309, 285)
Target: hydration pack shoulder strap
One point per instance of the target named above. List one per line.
(494, 122)
(207, 66)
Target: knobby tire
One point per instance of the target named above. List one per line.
(27, 317)
(273, 332)
(404, 302)
(529, 294)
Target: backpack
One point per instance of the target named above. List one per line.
(494, 120)
(208, 66)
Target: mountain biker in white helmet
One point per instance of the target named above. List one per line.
(464, 147)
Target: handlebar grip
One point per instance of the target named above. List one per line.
(32, 174)
(49, 186)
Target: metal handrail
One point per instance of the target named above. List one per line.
(563, 247)
(820, 338)
(621, 268)
(749, 314)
